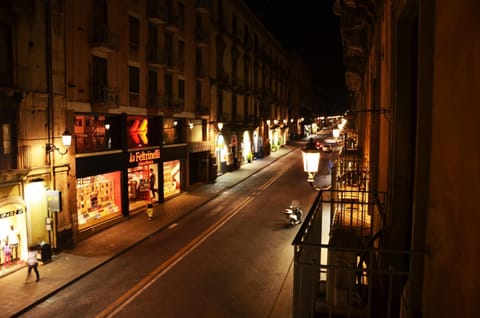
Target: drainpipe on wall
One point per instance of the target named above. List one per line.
(49, 81)
(50, 125)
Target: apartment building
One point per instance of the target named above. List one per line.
(110, 104)
(400, 240)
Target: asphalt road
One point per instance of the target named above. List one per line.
(230, 258)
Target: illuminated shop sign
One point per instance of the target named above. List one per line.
(10, 213)
(141, 156)
(138, 129)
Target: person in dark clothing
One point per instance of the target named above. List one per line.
(152, 183)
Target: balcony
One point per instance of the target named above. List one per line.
(172, 63)
(175, 105)
(237, 36)
(338, 271)
(157, 12)
(153, 102)
(156, 57)
(248, 43)
(224, 117)
(103, 97)
(104, 40)
(181, 64)
(252, 120)
(223, 78)
(201, 71)
(169, 104)
(201, 109)
(202, 38)
(238, 84)
(222, 25)
(175, 23)
(203, 5)
(340, 267)
(134, 99)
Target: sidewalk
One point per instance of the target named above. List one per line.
(17, 295)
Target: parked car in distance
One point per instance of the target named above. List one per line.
(326, 148)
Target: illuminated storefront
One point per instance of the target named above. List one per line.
(143, 183)
(221, 151)
(13, 223)
(247, 148)
(98, 199)
(99, 165)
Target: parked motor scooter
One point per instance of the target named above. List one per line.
(294, 213)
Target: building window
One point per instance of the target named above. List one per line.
(169, 49)
(168, 91)
(198, 98)
(6, 65)
(181, 15)
(181, 95)
(152, 36)
(234, 106)
(181, 55)
(134, 86)
(100, 13)
(97, 133)
(99, 80)
(133, 32)
(153, 100)
(173, 131)
(8, 144)
(219, 103)
(234, 26)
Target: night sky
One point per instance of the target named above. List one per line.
(310, 28)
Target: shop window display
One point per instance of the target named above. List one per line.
(143, 183)
(171, 178)
(98, 199)
(12, 234)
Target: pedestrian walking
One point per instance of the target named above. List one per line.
(32, 263)
(330, 166)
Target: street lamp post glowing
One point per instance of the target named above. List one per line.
(311, 159)
(66, 141)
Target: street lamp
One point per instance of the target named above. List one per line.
(66, 141)
(311, 159)
(336, 133)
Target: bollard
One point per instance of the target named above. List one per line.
(150, 211)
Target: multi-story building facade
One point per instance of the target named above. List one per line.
(300, 95)
(157, 95)
(401, 236)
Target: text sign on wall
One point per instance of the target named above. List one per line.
(10, 213)
(144, 155)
